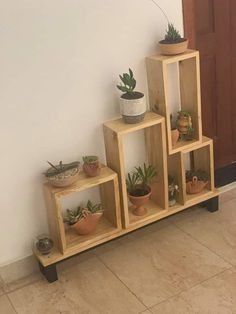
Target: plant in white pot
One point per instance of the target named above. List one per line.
(132, 103)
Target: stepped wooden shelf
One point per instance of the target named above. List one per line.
(190, 96)
(118, 218)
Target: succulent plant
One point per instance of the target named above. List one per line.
(140, 179)
(202, 175)
(127, 86)
(183, 113)
(60, 168)
(172, 35)
(74, 215)
(90, 159)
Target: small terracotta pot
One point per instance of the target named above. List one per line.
(92, 169)
(88, 224)
(173, 49)
(183, 125)
(139, 201)
(174, 136)
(195, 186)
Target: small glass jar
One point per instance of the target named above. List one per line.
(44, 244)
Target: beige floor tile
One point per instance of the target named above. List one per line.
(228, 196)
(146, 312)
(88, 287)
(5, 306)
(216, 230)
(214, 296)
(159, 264)
(17, 284)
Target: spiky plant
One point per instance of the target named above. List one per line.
(127, 86)
(132, 181)
(138, 181)
(73, 215)
(172, 34)
(60, 168)
(93, 208)
(146, 174)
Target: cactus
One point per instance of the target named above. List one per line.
(202, 175)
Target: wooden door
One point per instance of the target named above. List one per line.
(211, 27)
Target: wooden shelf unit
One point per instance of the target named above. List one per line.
(155, 144)
(190, 96)
(66, 240)
(119, 220)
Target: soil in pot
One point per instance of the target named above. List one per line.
(88, 224)
(138, 198)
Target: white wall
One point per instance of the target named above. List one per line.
(59, 63)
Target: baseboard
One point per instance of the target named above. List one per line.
(19, 269)
(225, 175)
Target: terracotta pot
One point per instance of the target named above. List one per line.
(64, 179)
(133, 110)
(88, 224)
(92, 169)
(195, 186)
(139, 201)
(174, 136)
(183, 125)
(173, 49)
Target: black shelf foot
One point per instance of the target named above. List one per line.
(49, 272)
(212, 205)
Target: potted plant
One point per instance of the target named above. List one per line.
(91, 166)
(62, 175)
(132, 103)
(196, 180)
(44, 244)
(138, 187)
(174, 131)
(173, 189)
(184, 124)
(84, 220)
(173, 43)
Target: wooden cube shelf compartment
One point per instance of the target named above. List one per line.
(201, 157)
(67, 241)
(155, 144)
(190, 97)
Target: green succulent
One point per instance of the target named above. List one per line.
(89, 159)
(172, 34)
(140, 178)
(60, 168)
(74, 215)
(129, 82)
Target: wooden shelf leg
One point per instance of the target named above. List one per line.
(212, 205)
(49, 272)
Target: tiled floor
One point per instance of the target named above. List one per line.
(183, 264)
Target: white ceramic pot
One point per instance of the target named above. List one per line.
(133, 110)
